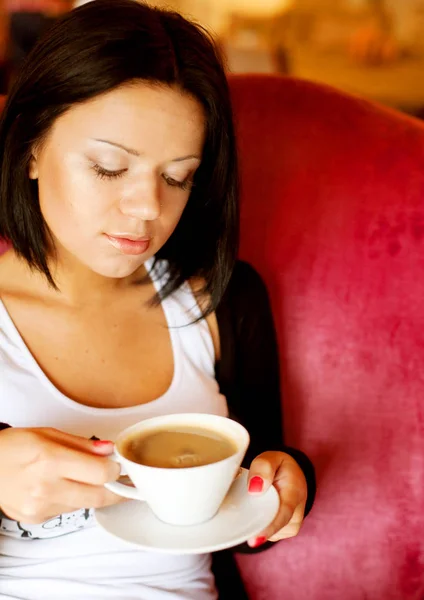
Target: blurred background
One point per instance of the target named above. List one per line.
(371, 48)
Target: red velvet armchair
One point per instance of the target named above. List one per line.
(333, 219)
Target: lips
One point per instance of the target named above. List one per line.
(129, 244)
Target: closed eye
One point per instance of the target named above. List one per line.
(187, 184)
(106, 174)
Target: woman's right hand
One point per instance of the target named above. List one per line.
(45, 472)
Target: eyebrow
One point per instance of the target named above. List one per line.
(135, 153)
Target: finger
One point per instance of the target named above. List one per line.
(292, 502)
(103, 447)
(284, 516)
(289, 531)
(83, 467)
(262, 471)
(9, 511)
(28, 518)
(291, 486)
(31, 514)
(55, 498)
(276, 531)
(71, 496)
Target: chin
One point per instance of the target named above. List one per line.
(118, 271)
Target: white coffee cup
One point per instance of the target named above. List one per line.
(188, 495)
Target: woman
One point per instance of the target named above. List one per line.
(120, 298)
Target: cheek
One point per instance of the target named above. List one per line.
(165, 226)
(71, 200)
(173, 205)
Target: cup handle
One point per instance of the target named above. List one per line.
(121, 489)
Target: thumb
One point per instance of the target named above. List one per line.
(262, 472)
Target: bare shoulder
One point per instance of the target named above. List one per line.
(15, 276)
(197, 285)
(8, 274)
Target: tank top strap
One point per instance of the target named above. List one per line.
(184, 316)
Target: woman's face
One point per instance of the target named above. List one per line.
(114, 175)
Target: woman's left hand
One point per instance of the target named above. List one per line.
(282, 471)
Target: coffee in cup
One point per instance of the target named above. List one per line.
(182, 465)
(177, 447)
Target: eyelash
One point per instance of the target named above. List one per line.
(105, 174)
(102, 173)
(185, 185)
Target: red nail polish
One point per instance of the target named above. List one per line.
(101, 443)
(256, 485)
(259, 541)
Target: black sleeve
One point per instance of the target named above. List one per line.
(248, 371)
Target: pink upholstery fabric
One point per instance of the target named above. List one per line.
(333, 218)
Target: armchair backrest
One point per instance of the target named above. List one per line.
(333, 219)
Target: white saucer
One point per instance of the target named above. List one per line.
(240, 517)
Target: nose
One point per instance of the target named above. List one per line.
(142, 201)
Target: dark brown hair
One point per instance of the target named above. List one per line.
(90, 51)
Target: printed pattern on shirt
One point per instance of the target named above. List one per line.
(55, 527)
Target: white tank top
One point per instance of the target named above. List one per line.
(91, 563)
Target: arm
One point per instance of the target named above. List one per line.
(248, 372)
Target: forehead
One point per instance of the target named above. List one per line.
(151, 119)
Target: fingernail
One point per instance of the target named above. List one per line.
(258, 542)
(256, 485)
(101, 443)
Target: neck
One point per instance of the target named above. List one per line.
(79, 286)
